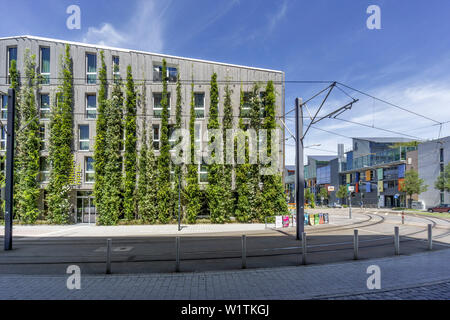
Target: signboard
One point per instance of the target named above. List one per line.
(278, 222)
(330, 188)
(351, 188)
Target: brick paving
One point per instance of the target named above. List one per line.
(424, 275)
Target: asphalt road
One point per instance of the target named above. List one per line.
(221, 251)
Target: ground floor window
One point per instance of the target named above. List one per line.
(86, 211)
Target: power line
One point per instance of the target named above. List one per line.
(388, 103)
(377, 128)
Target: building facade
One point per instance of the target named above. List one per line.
(148, 66)
(433, 156)
(375, 168)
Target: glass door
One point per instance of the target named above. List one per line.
(86, 211)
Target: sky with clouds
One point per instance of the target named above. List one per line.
(406, 62)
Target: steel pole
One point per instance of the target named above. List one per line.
(179, 201)
(299, 174)
(10, 136)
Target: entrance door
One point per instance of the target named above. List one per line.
(86, 212)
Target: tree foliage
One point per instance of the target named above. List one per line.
(100, 157)
(129, 184)
(112, 200)
(413, 184)
(443, 181)
(27, 189)
(165, 191)
(60, 146)
(192, 192)
(273, 196)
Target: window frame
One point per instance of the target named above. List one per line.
(89, 172)
(196, 109)
(156, 142)
(200, 172)
(91, 81)
(42, 134)
(80, 141)
(4, 108)
(159, 110)
(44, 111)
(3, 138)
(44, 175)
(8, 62)
(116, 74)
(87, 108)
(45, 75)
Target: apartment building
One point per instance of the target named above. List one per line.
(145, 65)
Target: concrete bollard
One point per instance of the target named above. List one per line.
(430, 237)
(177, 249)
(397, 240)
(355, 244)
(304, 248)
(244, 252)
(108, 255)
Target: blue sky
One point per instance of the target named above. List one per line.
(406, 62)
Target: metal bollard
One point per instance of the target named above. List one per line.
(177, 248)
(430, 237)
(403, 217)
(108, 255)
(244, 252)
(355, 244)
(397, 240)
(304, 248)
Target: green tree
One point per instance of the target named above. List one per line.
(165, 192)
(100, 139)
(228, 168)
(442, 183)
(143, 183)
(192, 191)
(112, 188)
(243, 174)
(323, 195)
(27, 190)
(216, 184)
(179, 169)
(274, 197)
(130, 149)
(342, 193)
(309, 198)
(413, 184)
(60, 146)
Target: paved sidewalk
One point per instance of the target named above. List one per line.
(303, 282)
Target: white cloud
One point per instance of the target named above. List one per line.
(430, 98)
(143, 31)
(278, 16)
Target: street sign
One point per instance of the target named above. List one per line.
(330, 188)
(351, 188)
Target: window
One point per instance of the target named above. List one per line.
(441, 196)
(4, 108)
(441, 167)
(44, 169)
(12, 55)
(115, 68)
(199, 100)
(45, 65)
(89, 170)
(441, 155)
(172, 73)
(246, 109)
(83, 131)
(172, 140)
(42, 136)
(262, 97)
(203, 172)
(91, 68)
(157, 107)
(156, 136)
(44, 112)
(91, 106)
(3, 139)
